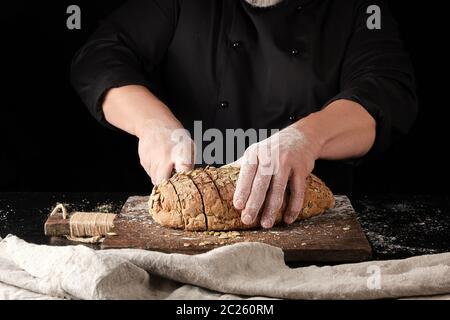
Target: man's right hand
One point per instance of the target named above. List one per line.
(164, 145)
(164, 148)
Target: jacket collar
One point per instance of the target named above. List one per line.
(271, 3)
(263, 3)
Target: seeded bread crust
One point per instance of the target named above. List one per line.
(202, 200)
(178, 204)
(213, 206)
(225, 180)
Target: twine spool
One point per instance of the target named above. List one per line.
(86, 227)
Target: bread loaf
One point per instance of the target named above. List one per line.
(202, 200)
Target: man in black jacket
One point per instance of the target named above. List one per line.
(339, 88)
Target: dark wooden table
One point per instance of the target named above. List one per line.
(396, 226)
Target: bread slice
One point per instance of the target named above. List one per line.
(213, 207)
(225, 180)
(318, 198)
(170, 204)
(176, 203)
(203, 200)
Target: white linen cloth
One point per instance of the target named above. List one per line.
(29, 271)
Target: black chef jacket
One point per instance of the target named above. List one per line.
(232, 65)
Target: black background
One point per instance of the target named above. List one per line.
(49, 142)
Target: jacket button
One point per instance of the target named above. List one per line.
(236, 44)
(292, 118)
(295, 52)
(299, 8)
(224, 104)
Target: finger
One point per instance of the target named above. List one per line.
(257, 197)
(183, 155)
(146, 163)
(274, 199)
(148, 169)
(297, 186)
(236, 164)
(184, 164)
(161, 173)
(245, 180)
(183, 167)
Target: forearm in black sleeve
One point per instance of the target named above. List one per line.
(125, 49)
(378, 75)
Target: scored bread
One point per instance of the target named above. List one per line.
(202, 200)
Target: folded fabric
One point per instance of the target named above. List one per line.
(238, 271)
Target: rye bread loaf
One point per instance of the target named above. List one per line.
(202, 200)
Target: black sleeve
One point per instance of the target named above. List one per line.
(128, 45)
(377, 73)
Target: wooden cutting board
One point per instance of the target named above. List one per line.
(336, 236)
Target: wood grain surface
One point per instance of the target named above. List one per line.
(334, 237)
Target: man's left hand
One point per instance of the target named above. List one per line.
(267, 168)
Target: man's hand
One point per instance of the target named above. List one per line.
(164, 145)
(164, 148)
(342, 130)
(267, 168)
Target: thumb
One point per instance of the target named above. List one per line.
(183, 155)
(184, 158)
(161, 173)
(183, 167)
